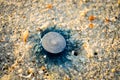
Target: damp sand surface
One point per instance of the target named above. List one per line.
(95, 22)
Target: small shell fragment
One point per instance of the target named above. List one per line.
(88, 50)
(49, 6)
(43, 68)
(25, 36)
(45, 25)
(20, 71)
(107, 20)
(91, 25)
(30, 70)
(91, 18)
(118, 2)
(113, 70)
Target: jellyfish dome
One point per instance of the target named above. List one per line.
(53, 42)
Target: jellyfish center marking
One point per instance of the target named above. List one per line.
(53, 42)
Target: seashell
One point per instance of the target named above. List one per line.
(53, 42)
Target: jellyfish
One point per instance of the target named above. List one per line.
(53, 46)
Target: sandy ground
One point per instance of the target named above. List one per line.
(95, 22)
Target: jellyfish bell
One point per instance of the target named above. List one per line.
(53, 42)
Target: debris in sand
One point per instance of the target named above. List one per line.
(91, 18)
(91, 25)
(25, 35)
(49, 6)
